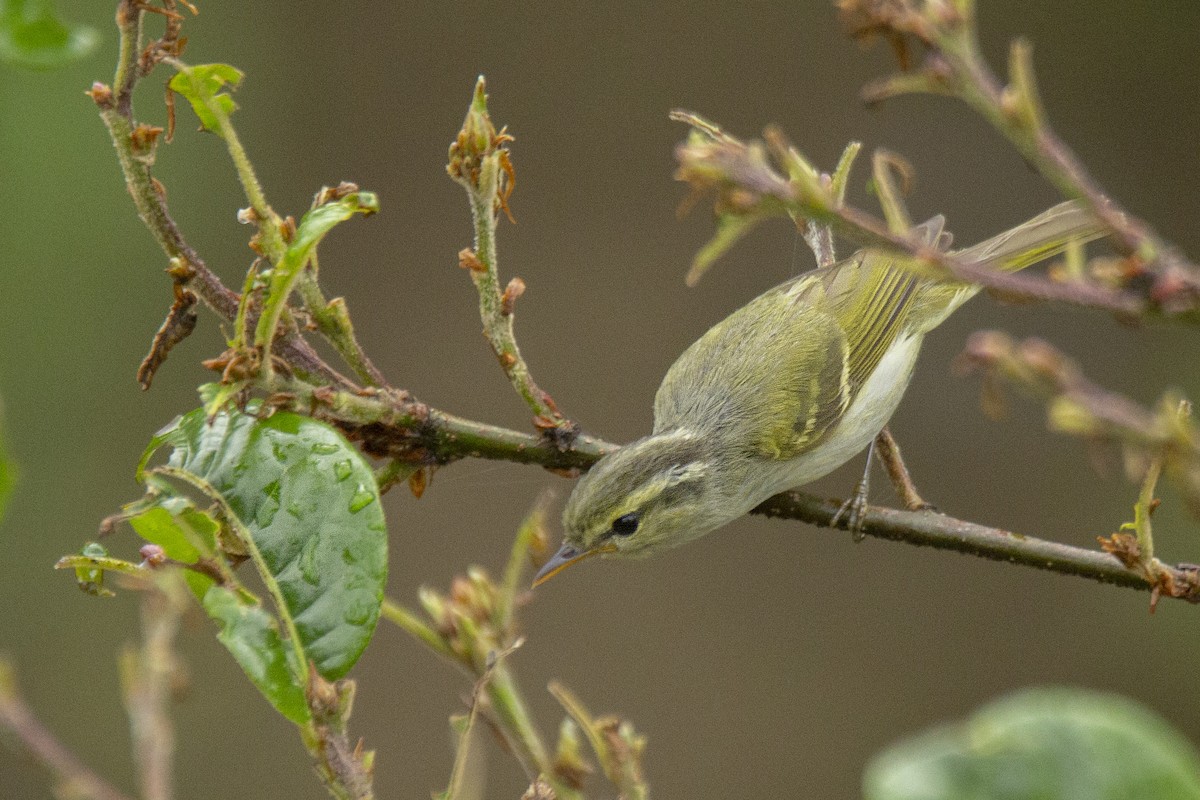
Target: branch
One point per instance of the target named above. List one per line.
(391, 423)
(749, 189)
(953, 65)
(135, 146)
(480, 163)
(1077, 406)
(148, 675)
(946, 533)
(73, 777)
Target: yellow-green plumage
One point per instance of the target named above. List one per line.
(784, 390)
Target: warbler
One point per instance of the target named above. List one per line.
(783, 391)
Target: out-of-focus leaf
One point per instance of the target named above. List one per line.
(1042, 744)
(730, 229)
(311, 230)
(251, 635)
(8, 472)
(308, 500)
(204, 87)
(33, 36)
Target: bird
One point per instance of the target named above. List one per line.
(784, 390)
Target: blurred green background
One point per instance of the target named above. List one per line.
(771, 658)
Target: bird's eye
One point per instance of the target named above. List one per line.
(625, 525)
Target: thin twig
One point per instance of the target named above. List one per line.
(149, 197)
(749, 187)
(954, 65)
(341, 762)
(148, 674)
(889, 454)
(480, 163)
(74, 779)
(333, 321)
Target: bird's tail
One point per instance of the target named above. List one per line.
(1045, 236)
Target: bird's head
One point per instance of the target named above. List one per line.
(651, 495)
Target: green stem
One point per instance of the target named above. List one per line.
(1141, 513)
(514, 717)
(497, 325)
(333, 321)
(147, 674)
(129, 27)
(411, 623)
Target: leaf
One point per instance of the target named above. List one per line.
(8, 472)
(252, 636)
(32, 36)
(1042, 744)
(184, 532)
(313, 227)
(204, 87)
(730, 229)
(309, 503)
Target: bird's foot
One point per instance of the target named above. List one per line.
(855, 512)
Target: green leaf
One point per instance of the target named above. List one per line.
(32, 36)
(252, 636)
(309, 503)
(313, 227)
(8, 472)
(185, 533)
(1042, 744)
(204, 87)
(730, 229)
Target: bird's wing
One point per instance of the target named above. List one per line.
(771, 377)
(779, 373)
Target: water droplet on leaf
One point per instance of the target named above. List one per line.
(362, 498)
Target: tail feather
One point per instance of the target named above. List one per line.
(1045, 236)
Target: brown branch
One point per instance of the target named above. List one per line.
(749, 187)
(930, 529)
(954, 65)
(73, 777)
(417, 432)
(136, 154)
(889, 454)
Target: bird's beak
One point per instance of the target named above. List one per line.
(567, 555)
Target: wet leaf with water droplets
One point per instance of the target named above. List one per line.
(294, 463)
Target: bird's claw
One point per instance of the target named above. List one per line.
(855, 512)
